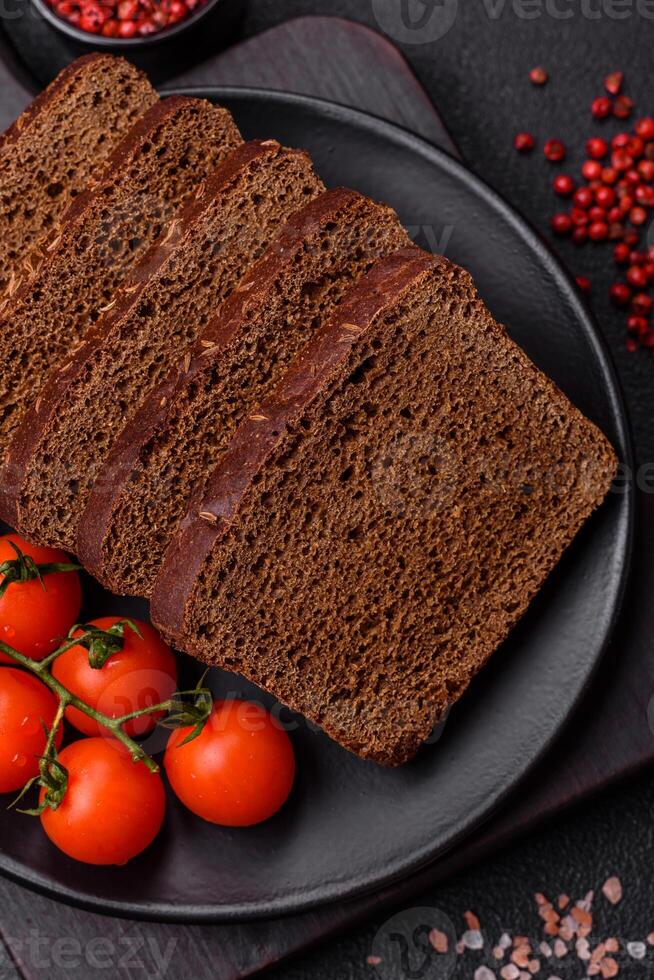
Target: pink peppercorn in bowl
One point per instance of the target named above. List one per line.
(129, 24)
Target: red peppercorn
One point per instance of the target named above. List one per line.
(601, 107)
(561, 223)
(638, 216)
(613, 82)
(563, 184)
(620, 140)
(128, 10)
(622, 107)
(579, 235)
(614, 214)
(649, 269)
(597, 148)
(538, 76)
(637, 276)
(644, 195)
(621, 160)
(524, 142)
(92, 18)
(554, 150)
(642, 304)
(646, 170)
(637, 258)
(598, 231)
(637, 324)
(619, 293)
(110, 28)
(632, 177)
(583, 197)
(605, 196)
(584, 284)
(631, 237)
(578, 216)
(127, 29)
(645, 128)
(631, 345)
(609, 175)
(591, 170)
(596, 213)
(635, 147)
(621, 253)
(626, 203)
(616, 231)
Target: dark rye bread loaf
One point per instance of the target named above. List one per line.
(175, 440)
(380, 523)
(162, 306)
(53, 149)
(175, 145)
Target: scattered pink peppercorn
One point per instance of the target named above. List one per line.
(613, 82)
(538, 76)
(605, 196)
(598, 231)
(579, 235)
(641, 304)
(645, 128)
(563, 185)
(619, 293)
(637, 276)
(597, 148)
(646, 170)
(601, 107)
(561, 223)
(554, 151)
(621, 253)
(609, 175)
(638, 216)
(524, 142)
(591, 170)
(578, 216)
(584, 284)
(622, 107)
(583, 197)
(637, 324)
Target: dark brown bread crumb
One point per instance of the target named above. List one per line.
(161, 308)
(176, 439)
(380, 523)
(61, 140)
(107, 229)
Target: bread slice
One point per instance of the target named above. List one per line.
(146, 483)
(162, 306)
(107, 229)
(53, 149)
(378, 525)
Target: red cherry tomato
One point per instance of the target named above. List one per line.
(113, 808)
(33, 620)
(26, 705)
(238, 772)
(142, 674)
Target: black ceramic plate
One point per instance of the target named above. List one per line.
(351, 826)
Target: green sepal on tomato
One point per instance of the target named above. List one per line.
(238, 771)
(36, 613)
(26, 706)
(141, 674)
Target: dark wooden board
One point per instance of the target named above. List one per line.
(611, 736)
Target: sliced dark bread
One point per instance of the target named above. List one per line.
(175, 440)
(162, 306)
(52, 150)
(107, 229)
(378, 525)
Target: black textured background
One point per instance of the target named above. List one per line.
(477, 75)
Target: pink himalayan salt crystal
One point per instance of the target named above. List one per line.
(483, 973)
(504, 941)
(439, 941)
(545, 949)
(374, 960)
(472, 921)
(473, 939)
(498, 953)
(612, 890)
(510, 972)
(560, 949)
(637, 950)
(608, 967)
(650, 939)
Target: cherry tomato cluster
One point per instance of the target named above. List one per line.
(124, 19)
(97, 804)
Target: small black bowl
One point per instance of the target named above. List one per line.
(223, 14)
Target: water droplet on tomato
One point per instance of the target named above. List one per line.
(31, 725)
(19, 760)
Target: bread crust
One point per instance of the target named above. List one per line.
(106, 494)
(54, 394)
(45, 98)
